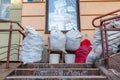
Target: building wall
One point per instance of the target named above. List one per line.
(33, 14)
(15, 15)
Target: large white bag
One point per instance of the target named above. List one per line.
(113, 39)
(32, 46)
(95, 54)
(57, 40)
(73, 38)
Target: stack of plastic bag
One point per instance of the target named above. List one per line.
(113, 41)
(32, 46)
(73, 39)
(113, 37)
(57, 40)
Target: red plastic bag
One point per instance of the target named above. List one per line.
(83, 51)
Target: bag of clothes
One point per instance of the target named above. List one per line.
(83, 51)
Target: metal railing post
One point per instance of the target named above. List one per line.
(107, 53)
(9, 47)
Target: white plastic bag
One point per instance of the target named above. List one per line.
(113, 39)
(73, 38)
(95, 54)
(57, 40)
(32, 46)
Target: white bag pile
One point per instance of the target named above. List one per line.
(57, 40)
(32, 46)
(113, 41)
(113, 37)
(73, 38)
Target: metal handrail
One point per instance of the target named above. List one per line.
(104, 29)
(6, 30)
(10, 21)
(10, 30)
(100, 17)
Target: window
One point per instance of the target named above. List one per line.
(4, 9)
(62, 14)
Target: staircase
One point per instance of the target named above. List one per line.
(46, 71)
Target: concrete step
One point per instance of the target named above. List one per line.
(56, 72)
(61, 65)
(56, 78)
(62, 71)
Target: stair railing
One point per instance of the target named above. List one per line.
(104, 35)
(10, 30)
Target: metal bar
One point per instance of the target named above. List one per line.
(106, 39)
(18, 49)
(111, 29)
(7, 21)
(97, 18)
(20, 26)
(9, 46)
(111, 18)
(102, 41)
(6, 30)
